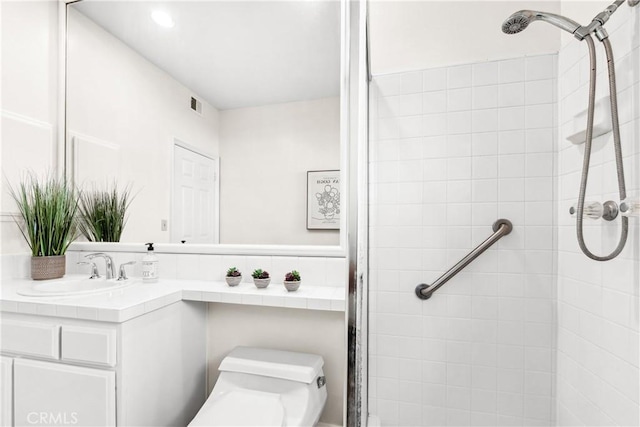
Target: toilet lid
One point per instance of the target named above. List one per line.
(241, 408)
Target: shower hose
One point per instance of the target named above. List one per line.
(587, 150)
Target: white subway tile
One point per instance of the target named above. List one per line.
(434, 102)
(459, 99)
(512, 70)
(459, 122)
(435, 79)
(485, 73)
(485, 120)
(434, 124)
(388, 85)
(459, 145)
(512, 118)
(485, 97)
(539, 116)
(411, 82)
(484, 144)
(459, 76)
(539, 67)
(410, 105)
(540, 92)
(511, 95)
(510, 404)
(459, 168)
(511, 142)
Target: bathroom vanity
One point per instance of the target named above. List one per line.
(132, 356)
(149, 370)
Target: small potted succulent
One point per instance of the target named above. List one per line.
(234, 277)
(292, 281)
(260, 278)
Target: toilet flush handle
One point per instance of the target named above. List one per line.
(321, 381)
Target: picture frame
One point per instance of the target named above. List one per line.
(323, 200)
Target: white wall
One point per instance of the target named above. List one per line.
(265, 155)
(119, 97)
(308, 331)
(29, 102)
(452, 150)
(413, 35)
(598, 381)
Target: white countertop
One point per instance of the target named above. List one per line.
(126, 303)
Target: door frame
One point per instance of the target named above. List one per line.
(177, 142)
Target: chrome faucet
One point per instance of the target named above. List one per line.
(110, 267)
(94, 269)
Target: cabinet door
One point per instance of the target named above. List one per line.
(55, 394)
(6, 391)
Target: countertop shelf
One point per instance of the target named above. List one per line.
(127, 303)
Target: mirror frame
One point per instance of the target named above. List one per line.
(348, 109)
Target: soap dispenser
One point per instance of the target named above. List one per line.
(150, 265)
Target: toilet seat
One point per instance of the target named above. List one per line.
(241, 408)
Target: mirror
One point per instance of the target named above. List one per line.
(214, 112)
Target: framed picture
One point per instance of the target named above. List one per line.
(323, 200)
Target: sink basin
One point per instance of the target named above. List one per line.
(73, 285)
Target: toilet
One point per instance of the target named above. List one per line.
(264, 387)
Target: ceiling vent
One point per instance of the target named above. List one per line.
(196, 105)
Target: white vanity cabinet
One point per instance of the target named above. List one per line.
(47, 393)
(6, 391)
(149, 370)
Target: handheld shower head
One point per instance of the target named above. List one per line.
(517, 22)
(522, 18)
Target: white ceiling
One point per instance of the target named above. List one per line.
(234, 54)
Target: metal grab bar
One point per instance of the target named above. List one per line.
(501, 227)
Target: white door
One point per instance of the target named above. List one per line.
(195, 192)
(6, 391)
(54, 394)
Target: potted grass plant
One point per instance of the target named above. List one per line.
(48, 210)
(103, 213)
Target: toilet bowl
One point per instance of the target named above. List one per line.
(263, 387)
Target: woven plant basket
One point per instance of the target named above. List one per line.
(48, 267)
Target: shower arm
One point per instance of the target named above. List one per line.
(596, 25)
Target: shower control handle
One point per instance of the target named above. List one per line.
(610, 210)
(596, 210)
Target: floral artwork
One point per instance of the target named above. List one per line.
(323, 200)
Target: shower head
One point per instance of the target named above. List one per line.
(522, 18)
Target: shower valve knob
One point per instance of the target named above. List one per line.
(610, 210)
(593, 210)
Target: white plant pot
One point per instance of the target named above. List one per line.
(262, 283)
(292, 285)
(233, 280)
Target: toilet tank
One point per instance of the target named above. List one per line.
(286, 365)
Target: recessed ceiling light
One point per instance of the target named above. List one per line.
(162, 18)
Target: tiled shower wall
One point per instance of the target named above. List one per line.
(597, 373)
(452, 150)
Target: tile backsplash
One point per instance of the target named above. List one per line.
(315, 271)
